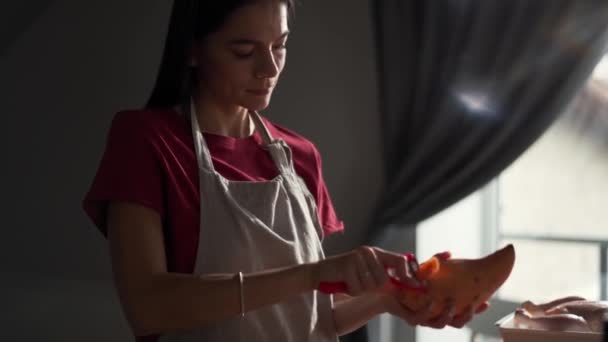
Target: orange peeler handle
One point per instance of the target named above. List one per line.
(342, 287)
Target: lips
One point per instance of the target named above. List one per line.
(259, 92)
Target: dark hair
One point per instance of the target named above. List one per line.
(191, 21)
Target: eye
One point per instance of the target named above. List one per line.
(243, 54)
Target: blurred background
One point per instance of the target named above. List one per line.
(444, 125)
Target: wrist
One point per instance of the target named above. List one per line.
(383, 303)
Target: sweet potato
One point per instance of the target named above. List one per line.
(464, 281)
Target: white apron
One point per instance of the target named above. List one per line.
(254, 226)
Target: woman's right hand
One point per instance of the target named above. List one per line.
(365, 270)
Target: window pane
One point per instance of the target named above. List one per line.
(545, 271)
(558, 187)
(456, 229)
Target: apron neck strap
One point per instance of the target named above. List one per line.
(261, 127)
(203, 156)
(201, 146)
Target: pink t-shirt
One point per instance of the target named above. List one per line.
(150, 160)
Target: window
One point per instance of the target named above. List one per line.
(552, 203)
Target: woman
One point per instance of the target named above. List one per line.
(215, 215)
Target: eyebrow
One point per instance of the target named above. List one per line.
(251, 41)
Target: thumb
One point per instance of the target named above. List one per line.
(482, 307)
(443, 255)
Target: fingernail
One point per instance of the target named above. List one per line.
(414, 265)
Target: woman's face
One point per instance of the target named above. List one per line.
(240, 64)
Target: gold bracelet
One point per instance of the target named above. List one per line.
(240, 275)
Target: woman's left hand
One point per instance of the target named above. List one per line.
(391, 304)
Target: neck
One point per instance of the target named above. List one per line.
(232, 121)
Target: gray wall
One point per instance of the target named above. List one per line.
(66, 66)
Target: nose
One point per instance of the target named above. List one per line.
(267, 66)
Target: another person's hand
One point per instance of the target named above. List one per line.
(389, 300)
(364, 270)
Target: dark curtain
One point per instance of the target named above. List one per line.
(466, 86)
(16, 17)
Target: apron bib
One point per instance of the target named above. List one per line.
(254, 226)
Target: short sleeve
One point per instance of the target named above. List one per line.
(327, 213)
(129, 170)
